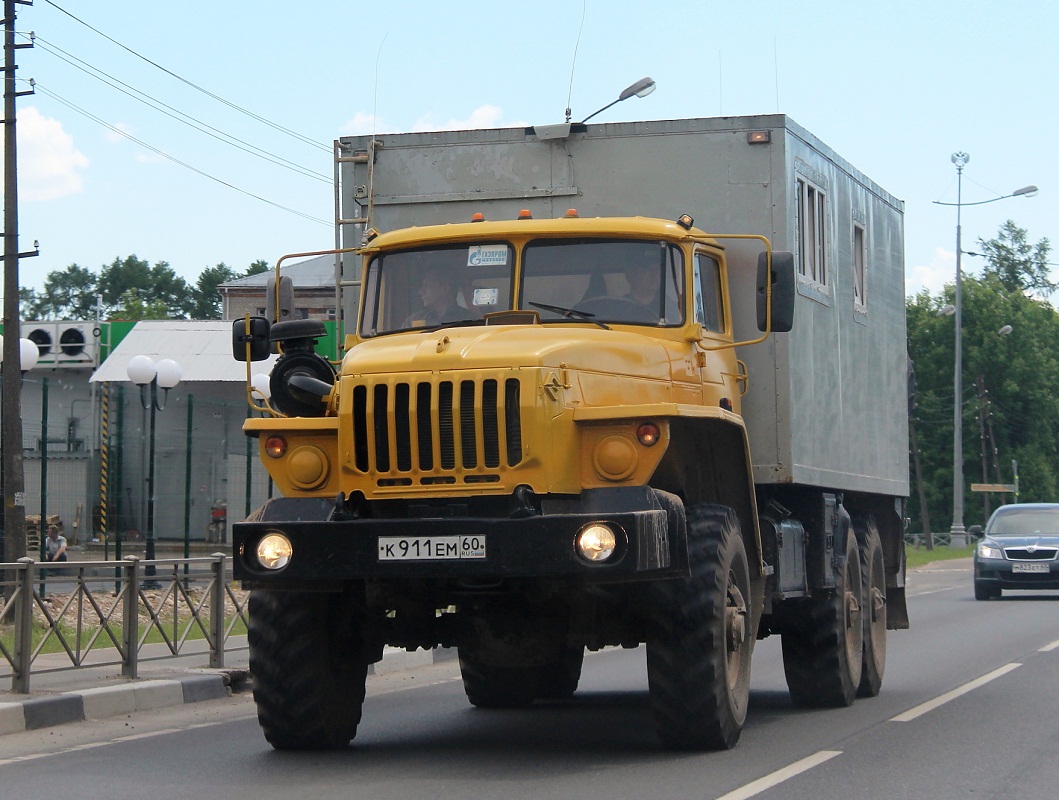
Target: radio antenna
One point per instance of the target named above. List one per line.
(569, 97)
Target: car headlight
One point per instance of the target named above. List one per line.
(986, 550)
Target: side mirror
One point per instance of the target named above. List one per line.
(286, 299)
(976, 531)
(257, 338)
(782, 280)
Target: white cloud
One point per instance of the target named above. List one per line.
(49, 164)
(932, 276)
(122, 133)
(487, 116)
(363, 125)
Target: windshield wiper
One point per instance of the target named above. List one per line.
(568, 313)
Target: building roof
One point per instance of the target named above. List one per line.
(312, 273)
(202, 348)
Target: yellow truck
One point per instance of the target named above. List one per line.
(540, 436)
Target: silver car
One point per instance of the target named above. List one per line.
(1019, 549)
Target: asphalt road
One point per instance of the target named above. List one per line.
(968, 709)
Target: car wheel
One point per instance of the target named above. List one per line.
(983, 591)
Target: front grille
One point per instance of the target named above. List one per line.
(1025, 554)
(436, 431)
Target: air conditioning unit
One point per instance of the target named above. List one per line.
(63, 344)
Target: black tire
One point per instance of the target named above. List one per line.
(699, 639)
(873, 580)
(309, 667)
(489, 686)
(823, 648)
(558, 680)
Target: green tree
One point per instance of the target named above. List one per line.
(157, 286)
(1017, 263)
(257, 267)
(132, 306)
(207, 295)
(27, 301)
(67, 294)
(1010, 402)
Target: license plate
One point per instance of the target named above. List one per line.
(1030, 568)
(431, 548)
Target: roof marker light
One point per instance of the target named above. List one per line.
(525, 214)
(571, 213)
(685, 221)
(478, 216)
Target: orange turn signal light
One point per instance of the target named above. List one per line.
(275, 446)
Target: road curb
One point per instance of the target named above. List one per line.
(36, 712)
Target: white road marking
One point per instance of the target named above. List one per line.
(780, 775)
(940, 700)
(1049, 647)
(932, 591)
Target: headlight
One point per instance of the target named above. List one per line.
(596, 542)
(986, 550)
(274, 551)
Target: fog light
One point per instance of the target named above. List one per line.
(274, 551)
(307, 467)
(596, 542)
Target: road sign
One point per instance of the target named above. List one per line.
(992, 487)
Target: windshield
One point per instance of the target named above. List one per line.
(1025, 522)
(604, 280)
(434, 287)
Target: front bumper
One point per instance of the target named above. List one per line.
(999, 573)
(533, 547)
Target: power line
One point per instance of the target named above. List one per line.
(179, 116)
(165, 155)
(195, 86)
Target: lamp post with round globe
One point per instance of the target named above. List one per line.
(150, 377)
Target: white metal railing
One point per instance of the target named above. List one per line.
(104, 612)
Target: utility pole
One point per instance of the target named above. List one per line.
(11, 424)
(982, 400)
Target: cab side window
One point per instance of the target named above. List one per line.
(709, 310)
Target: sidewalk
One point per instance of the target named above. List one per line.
(62, 696)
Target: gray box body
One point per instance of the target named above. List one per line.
(827, 403)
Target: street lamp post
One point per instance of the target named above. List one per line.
(149, 376)
(957, 532)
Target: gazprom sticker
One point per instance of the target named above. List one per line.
(483, 255)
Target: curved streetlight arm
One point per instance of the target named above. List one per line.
(1025, 191)
(641, 88)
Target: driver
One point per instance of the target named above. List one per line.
(643, 286)
(438, 295)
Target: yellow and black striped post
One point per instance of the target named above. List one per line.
(104, 456)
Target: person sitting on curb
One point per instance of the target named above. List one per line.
(55, 545)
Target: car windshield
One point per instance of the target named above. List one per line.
(435, 287)
(1025, 522)
(604, 280)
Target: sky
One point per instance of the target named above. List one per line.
(149, 168)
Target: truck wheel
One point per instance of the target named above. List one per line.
(873, 578)
(823, 649)
(699, 640)
(558, 680)
(309, 667)
(489, 686)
